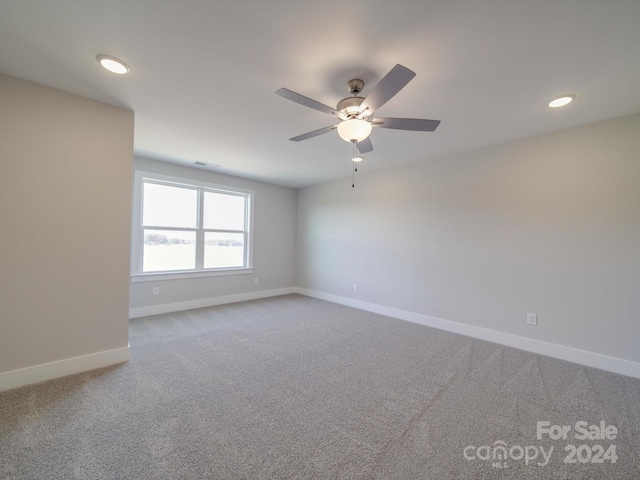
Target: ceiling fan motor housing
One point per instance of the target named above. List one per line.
(350, 106)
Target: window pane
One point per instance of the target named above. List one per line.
(223, 250)
(223, 212)
(166, 206)
(168, 250)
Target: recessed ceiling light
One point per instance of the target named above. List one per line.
(357, 159)
(562, 100)
(113, 64)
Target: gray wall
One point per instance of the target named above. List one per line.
(65, 204)
(274, 243)
(549, 225)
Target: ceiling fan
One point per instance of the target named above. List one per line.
(356, 114)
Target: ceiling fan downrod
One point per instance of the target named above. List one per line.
(355, 86)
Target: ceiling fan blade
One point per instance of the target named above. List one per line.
(306, 101)
(392, 83)
(365, 146)
(315, 133)
(415, 124)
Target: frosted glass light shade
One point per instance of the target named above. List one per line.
(354, 130)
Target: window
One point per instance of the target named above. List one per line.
(187, 228)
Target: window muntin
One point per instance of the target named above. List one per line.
(186, 227)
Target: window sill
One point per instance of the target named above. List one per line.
(155, 276)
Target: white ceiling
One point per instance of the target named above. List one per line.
(204, 73)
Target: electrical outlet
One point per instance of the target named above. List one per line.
(532, 319)
(256, 280)
(156, 290)
(355, 287)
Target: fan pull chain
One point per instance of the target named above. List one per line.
(353, 175)
(354, 169)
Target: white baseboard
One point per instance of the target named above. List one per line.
(570, 354)
(62, 368)
(206, 302)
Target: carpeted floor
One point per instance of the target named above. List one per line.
(294, 387)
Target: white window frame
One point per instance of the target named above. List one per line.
(137, 229)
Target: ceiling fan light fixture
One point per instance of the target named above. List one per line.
(562, 100)
(113, 64)
(354, 130)
(356, 114)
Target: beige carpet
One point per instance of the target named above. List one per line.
(294, 387)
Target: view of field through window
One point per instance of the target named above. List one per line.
(172, 241)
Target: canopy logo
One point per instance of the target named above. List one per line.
(499, 453)
(601, 452)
